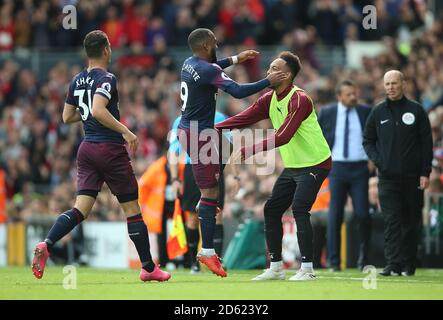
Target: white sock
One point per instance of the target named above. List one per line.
(276, 266)
(307, 266)
(207, 252)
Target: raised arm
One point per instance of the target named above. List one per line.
(215, 76)
(241, 57)
(300, 107)
(254, 113)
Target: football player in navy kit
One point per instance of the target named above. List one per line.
(201, 77)
(102, 157)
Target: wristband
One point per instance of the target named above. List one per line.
(234, 59)
(175, 179)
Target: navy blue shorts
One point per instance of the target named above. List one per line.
(105, 162)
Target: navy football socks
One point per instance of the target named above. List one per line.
(63, 225)
(206, 215)
(138, 232)
(193, 238)
(218, 239)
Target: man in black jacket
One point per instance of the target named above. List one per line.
(398, 139)
(342, 124)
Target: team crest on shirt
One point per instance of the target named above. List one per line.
(106, 86)
(408, 118)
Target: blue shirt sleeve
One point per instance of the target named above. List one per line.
(224, 63)
(106, 86)
(214, 75)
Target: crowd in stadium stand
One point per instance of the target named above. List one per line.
(38, 24)
(37, 151)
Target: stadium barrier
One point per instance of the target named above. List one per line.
(106, 244)
(433, 229)
(3, 244)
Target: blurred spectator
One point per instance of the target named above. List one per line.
(325, 17)
(206, 14)
(23, 29)
(7, 28)
(184, 24)
(137, 60)
(281, 19)
(113, 26)
(157, 29)
(245, 24)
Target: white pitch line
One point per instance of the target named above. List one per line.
(380, 279)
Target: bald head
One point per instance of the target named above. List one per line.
(394, 74)
(394, 84)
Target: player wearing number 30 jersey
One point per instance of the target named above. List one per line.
(102, 157)
(83, 87)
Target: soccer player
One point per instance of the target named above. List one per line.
(102, 157)
(191, 195)
(306, 157)
(201, 76)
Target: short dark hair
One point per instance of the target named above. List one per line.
(344, 83)
(292, 61)
(197, 38)
(94, 43)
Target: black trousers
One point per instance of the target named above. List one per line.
(299, 188)
(401, 204)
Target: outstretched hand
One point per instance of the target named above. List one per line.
(247, 55)
(275, 78)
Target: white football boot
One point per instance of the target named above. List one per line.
(303, 275)
(270, 274)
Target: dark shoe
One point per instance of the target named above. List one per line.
(388, 271)
(408, 272)
(195, 268)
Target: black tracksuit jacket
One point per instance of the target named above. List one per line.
(398, 139)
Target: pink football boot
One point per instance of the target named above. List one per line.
(156, 274)
(41, 254)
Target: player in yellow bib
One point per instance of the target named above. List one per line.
(306, 157)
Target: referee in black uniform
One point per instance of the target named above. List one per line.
(398, 140)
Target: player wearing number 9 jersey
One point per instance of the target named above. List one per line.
(102, 157)
(201, 76)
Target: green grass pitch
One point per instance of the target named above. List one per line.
(19, 283)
